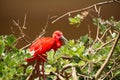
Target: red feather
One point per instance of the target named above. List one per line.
(42, 45)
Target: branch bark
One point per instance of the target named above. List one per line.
(108, 58)
(83, 9)
(74, 75)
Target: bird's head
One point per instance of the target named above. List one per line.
(58, 35)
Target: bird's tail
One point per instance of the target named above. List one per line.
(33, 58)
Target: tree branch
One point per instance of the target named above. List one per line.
(83, 9)
(74, 75)
(105, 44)
(108, 58)
(40, 35)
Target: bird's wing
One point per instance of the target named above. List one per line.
(42, 45)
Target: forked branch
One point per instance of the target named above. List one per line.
(108, 58)
(86, 8)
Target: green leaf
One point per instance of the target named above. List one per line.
(2, 45)
(2, 48)
(75, 20)
(102, 28)
(84, 38)
(96, 45)
(81, 63)
(78, 70)
(10, 40)
(51, 59)
(118, 25)
(95, 21)
(111, 19)
(76, 59)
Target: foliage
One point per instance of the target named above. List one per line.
(76, 20)
(86, 55)
(11, 59)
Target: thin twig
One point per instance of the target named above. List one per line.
(83, 9)
(24, 22)
(109, 71)
(17, 24)
(59, 76)
(117, 1)
(89, 31)
(97, 10)
(40, 35)
(66, 67)
(97, 35)
(67, 57)
(84, 66)
(22, 34)
(108, 58)
(105, 44)
(32, 73)
(105, 33)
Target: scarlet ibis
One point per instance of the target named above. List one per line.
(42, 45)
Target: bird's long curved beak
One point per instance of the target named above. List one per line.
(64, 39)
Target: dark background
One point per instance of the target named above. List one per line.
(38, 10)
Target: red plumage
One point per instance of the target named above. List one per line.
(42, 45)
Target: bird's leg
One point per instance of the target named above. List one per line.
(42, 57)
(38, 69)
(43, 70)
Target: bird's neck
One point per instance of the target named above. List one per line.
(58, 44)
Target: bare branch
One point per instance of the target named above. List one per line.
(66, 67)
(105, 44)
(97, 35)
(17, 24)
(59, 76)
(22, 34)
(83, 9)
(105, 33)
(74, 75)
(30, 77)
(97, 10)
(108, 58)
(24, 23)
(117, 1)
(40, 35)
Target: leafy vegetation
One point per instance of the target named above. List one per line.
(77, 60)
(11, 59)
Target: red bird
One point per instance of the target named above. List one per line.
(42, 45)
